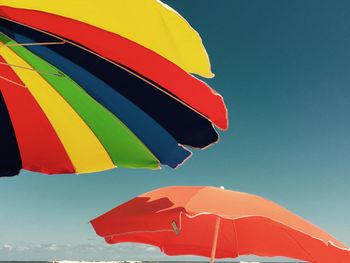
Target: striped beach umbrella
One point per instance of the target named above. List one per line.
(87, 86)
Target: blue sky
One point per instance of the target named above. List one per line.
(283, 68)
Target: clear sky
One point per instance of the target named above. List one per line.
(283, 68)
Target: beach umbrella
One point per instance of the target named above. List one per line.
(88, 86)
(217, 223)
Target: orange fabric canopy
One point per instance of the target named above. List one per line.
(182, 220)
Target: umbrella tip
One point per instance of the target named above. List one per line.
(222, 187)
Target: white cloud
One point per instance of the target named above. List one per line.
(87, 251)
(151, 249)
(49, 247)
(7, 247)
(22, 248)
(53, 247)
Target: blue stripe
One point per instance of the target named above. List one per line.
(185, 126)
(158, 140)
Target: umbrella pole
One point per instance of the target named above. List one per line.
(215, 242)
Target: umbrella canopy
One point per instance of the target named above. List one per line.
(100, 91)
(148, 23)
(217, 223)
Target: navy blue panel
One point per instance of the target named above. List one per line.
(10, 158)
(186, 126)
(158, 140)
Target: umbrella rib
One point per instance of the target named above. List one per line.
(235, 237)
(21, 67)
(296, 241)
(36, 44)
(150, 231)
(139, 231)
(13, 82)
(39, 71)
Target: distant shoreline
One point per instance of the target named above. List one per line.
(135, 261)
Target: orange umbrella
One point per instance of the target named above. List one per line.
(217, 223)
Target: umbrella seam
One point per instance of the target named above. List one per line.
(149, 231)
(296, 241)
(252, 216)
(235, 237)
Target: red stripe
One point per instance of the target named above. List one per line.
(166, 74)
(40, 148)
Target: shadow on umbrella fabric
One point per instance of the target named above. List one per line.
(217, 223)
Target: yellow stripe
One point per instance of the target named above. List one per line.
(149, 23)
(84, 149)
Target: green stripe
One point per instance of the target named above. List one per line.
(124, 148)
